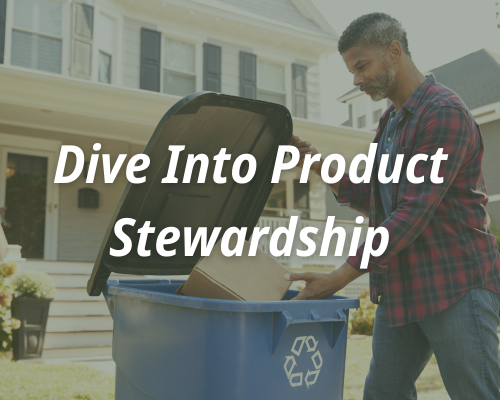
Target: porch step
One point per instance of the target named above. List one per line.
(77, 339)
(81, 308)
(70, 280)
(59, 267)
(79, 323)
(74, 293)
(72, 352)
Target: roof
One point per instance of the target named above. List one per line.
(356, 89)
(300, 13)
(474, 77)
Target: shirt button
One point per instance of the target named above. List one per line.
(388, 139)
(387, 150)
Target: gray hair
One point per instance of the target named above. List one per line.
(376, 30)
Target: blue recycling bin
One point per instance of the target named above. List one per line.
(168, 346)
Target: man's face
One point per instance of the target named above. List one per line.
(372, 71)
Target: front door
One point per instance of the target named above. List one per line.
(25, 202)
(28, 195)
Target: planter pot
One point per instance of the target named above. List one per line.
(28, 339)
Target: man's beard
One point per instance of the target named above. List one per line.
(384, 80)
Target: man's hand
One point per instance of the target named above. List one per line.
(322, 286)
(305, 148)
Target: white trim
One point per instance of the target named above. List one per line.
(309, 10)
(240, 15)
(9, 22)
(43, 148)
(122, 105)
(117, 39)
(73, 131)
(199, 66)
(30, 143)
(487, 113)
(495, 197)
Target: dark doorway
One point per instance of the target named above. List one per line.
(25, 200)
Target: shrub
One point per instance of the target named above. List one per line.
(361, 320)
(33, 284)
(7, 324)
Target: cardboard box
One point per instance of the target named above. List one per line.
(257, 278)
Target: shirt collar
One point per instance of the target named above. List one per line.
(414, 100)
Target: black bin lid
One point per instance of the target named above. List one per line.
(204, 122)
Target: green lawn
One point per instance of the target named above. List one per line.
(36, 381)
(359, 351)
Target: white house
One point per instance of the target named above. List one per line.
(79, 72)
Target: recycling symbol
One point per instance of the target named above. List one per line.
(298, 378)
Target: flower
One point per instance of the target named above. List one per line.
(33, 284)
(5, 298)
(8, 268)
(15, 323)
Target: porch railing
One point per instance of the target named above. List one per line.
(329, 261)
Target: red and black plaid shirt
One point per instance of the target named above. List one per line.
(440, 246)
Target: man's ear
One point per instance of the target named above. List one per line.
(395, 52)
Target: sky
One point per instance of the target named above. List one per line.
(438, 31)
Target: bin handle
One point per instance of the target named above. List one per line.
(282, 320)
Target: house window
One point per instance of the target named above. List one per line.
(104, 67)
(276, 203)
(106, 43)
(376, 115)
(37, 35)
(271, 82)
(179, 77)
(301, 197)
(361, 121)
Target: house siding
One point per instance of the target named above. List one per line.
(131, 62)
(317, 193)
(280, 10)
(313, 94)
(491, 166)
(491, 159)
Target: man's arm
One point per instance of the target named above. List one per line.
(447, 128)
(323, 286)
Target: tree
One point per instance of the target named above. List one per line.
(498, 25)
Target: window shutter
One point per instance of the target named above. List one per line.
(299, 90)
(150, 59)
(248, 75)
(211, 67)
(81, 43)
(3, 17)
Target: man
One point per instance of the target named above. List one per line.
(436, 284)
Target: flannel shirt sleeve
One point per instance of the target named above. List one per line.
(354, 195)
(448, 128)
